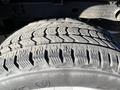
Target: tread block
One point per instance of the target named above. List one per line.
(27, 35)
(15, 46)
(16, 39)
(38, 57)
(108, 38)
(84, 32)
(105, 59)
(54, 38)
(10, 61)
(5, 49)
(91, 40)
(23, 59)
(100, 42)
(5, 44)
(80, 55)
(114, 60)
(62, 30)
(51, 31)
(78, 39)
(114, 46)
(93, 33)
(66, 53)
(66, 38)
(53, 54)
(41, 40)
(108, 44)
(39, 32)
(94, 56)
(101, 35)
(73, 30)
(2, 69)
(27, 42)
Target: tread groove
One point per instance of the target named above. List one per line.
(100, 59)
(117, 62)
(32, 36)
(104, 42)
(46, 56)
(100, 38)
(4, 65)
(73, 55)
(10, 48)
(88, 56)
(45, 35)
(61, 55)
(57, 34)
(10, 44)
(15, 62)
(82, 35)
(92, 37)
(67, 34)
(109, 58)
(66, 31)
(21, 46)
(31, 58)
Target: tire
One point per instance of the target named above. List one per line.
(63, 52)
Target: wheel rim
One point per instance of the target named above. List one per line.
(66, 88)
(61, 78)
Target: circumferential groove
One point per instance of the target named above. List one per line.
(72, 55)
(88, 56)
(4, 65)
(61, 55)
(15, 62)
(109, 58)
(100, 59)
(31, 58)
(46, 56)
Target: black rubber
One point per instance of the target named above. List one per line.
(63, 43)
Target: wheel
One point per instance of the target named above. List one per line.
(62, 52)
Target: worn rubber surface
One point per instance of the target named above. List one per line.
(55, 44)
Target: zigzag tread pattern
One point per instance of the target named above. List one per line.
(58, 46)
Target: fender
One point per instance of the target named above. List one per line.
(109, 12)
